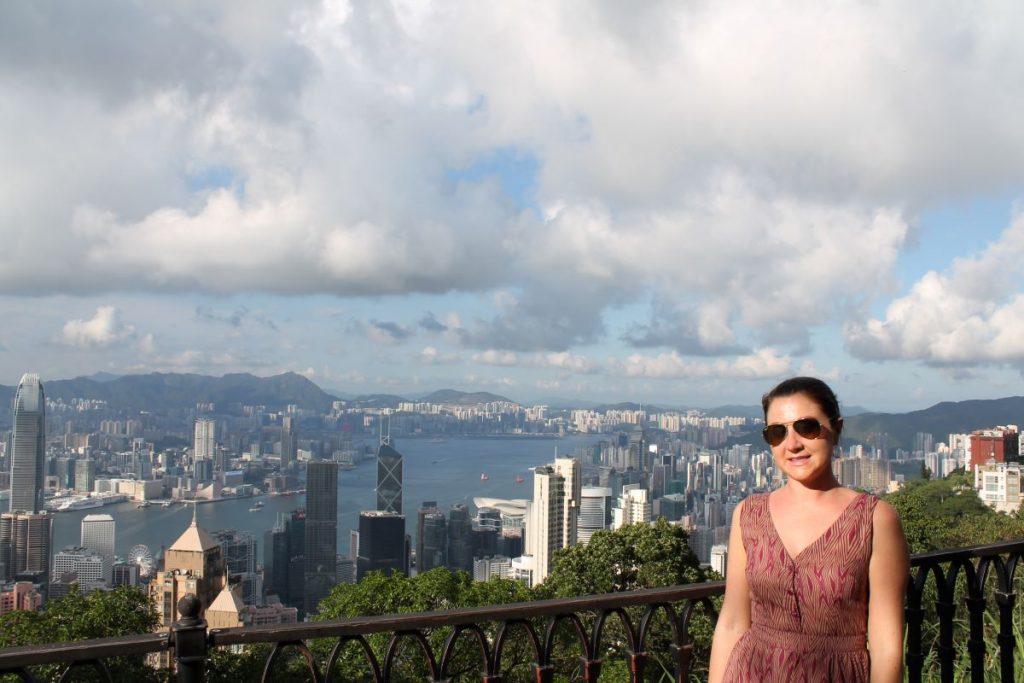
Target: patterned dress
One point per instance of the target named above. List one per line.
(808, 613)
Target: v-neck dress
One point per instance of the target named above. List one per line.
(809, 613)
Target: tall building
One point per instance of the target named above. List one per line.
(98, 535)
(85, 475)
(193, 565)
(381, 543)
(25, 540)
(460, 539)
(389, 479)
(205, 444)
(289, 442)
(431, 538)
(569, 468)
(239, 549)
(633, 507)
(28, 445)
(595, 504)
(321, 530)
(545, 526)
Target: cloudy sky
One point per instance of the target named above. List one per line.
(661, 201)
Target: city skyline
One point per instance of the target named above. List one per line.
(665, 204)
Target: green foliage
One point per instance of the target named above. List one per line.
(100, 614)
(947, 513)
(635, 556)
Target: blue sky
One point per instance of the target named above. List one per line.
(561, 199)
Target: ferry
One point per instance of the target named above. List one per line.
(144, 504)
(483, 477)
(166, 504)
(255, 509)
(79, 504)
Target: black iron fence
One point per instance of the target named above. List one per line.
(943, 641)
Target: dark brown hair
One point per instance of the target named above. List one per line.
(813, 388)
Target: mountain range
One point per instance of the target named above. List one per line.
(173, 391)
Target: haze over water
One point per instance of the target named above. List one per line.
(447, 472)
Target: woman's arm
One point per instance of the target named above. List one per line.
(734, 619)
(887, 582)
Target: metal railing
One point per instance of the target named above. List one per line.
(938, 580)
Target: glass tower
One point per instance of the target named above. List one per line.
(389, 479)
(28, 441)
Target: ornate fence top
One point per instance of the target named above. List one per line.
(985, 574)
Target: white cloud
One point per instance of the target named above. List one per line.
(495, 357)
(564, 361)
(973, 312)
(103, 329)
(756, 163)
(762, 364)
(432, 356)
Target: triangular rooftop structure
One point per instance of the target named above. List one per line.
(195, 539)
(227, 601)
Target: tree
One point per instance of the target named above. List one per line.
(123, 611)
(633, 557)
(934, 512)
(437, 589)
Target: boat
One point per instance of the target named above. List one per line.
(519, 479)
(258, 504)
(166, 504)
(80, 504)
(255, 509)
(483, 477)
(144, 504)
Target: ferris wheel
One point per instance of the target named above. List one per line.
(142, 556)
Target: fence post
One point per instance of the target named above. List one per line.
(189, 640)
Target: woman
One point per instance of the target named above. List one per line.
(813, 567)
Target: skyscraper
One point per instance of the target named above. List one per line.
(321, 530)
(594, 508)
(460, 538)
(289, 442)
(28, 443)
(389, 478)
(381, 543)
(25, 540)
(545, 528)
(205, 439)
(431, 539)
(569, 468)
(98, 535)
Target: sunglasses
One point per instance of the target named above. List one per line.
(807, 427)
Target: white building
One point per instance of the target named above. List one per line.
(633, 507)
(98, 535)
(205, 445)
(523, 569)
(593, 511)
(998, 485)
(85, 563)
(545, 525)
(569, 468)
(719, 558)
(486, 568)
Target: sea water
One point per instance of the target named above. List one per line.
(445, 471)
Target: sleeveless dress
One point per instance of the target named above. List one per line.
(808, 614)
